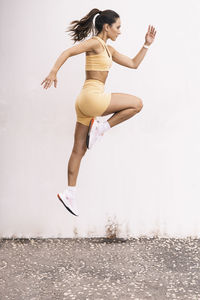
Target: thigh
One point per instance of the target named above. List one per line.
(120, 101)
(81, 117)
(94, 102)
(80, 135)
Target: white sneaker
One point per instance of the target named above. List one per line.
(93, 134)
(69, 202)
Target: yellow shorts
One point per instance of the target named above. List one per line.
(92, 101)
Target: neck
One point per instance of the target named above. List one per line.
(103, 38)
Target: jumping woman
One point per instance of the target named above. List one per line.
(92, 101)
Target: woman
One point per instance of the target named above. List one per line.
(92, 100)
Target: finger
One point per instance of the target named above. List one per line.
(49, 84)
(43, 81)
(46, 85)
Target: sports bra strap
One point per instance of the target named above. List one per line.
(102, 43)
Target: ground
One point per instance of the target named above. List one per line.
(100, 268)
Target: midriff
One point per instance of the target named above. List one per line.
(98, 75)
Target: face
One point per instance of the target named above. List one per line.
(114, 30)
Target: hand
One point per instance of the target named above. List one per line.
(150, 35)
(49, 79)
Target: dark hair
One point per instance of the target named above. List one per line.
(83, 27)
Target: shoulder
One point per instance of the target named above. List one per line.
(94, 46)
(94, 43)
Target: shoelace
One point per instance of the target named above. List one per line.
(71, 202)
(97, 131)
(70, 199)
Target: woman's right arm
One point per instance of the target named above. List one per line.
(84, 46)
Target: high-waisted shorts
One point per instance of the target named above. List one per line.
(92, 101)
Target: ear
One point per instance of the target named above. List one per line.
(106, 27)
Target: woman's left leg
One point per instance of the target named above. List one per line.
(78, 151)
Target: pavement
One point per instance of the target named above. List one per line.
(100, 269)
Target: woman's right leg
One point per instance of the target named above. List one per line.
(78, 151)
(124, 106)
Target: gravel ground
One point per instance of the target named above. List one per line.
(100, 268)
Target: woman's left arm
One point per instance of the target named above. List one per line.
(133, 63)
(149, 38)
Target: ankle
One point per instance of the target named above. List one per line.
(72, 190)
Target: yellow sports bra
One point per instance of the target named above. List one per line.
(101, 61)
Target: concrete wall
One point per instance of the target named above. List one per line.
(142, 179)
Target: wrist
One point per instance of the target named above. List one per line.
(53, 71)
(146, 45)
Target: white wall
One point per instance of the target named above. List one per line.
(143, 176)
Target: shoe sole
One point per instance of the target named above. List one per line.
(88, 133)
(66, 206)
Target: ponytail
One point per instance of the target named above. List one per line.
(80, 29)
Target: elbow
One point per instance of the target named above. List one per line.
(134, 67)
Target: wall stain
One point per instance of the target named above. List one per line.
(75, 231)
(112, 228)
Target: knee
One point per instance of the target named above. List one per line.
(139, 105)
(79, 151)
